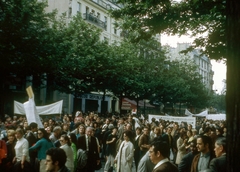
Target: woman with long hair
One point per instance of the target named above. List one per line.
(42, 145)
(66, 146)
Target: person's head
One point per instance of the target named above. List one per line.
(129, 126)
(42, 133)
(189, 127)
(73, 138)
(183, 135)
(120, 121)
(89, 131)
(169, 130)
(157, 131)
(114, 130)
(81, 129)
(138, 131)
(193, 147)
(107, 121)
(57, 131)
(33, 126)
(25, 124)
(204, 144)
(64, 139)
(194, 132)
(158, 151)
(127, 135)
(65, 127)
(220, 146)
(189, 133)
(130, 118)
(11, 135)
(219, 131)
(45, 124)
(19, 133)
(55, 159)
(207, 131)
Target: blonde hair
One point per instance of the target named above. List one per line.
(11, 132)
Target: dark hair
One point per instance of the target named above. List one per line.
(222, 142)
(73, 138)
(45, 134)
(33, 125)
(138, 128)
(128, 134)
(162, 147)
(57, 154)
(182, 134)
(206, 140)
(67, 139)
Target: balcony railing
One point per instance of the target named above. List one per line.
(103, 4)
(93, 19)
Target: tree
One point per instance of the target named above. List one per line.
(24, 45)
(220, 20)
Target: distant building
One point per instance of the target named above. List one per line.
(202, 61)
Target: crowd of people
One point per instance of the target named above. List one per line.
(80, 143)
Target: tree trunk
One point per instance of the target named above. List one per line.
(233, 83)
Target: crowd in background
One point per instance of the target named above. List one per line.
(121, 140)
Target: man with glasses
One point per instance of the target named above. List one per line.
(159, 153)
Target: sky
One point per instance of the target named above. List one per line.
(218, 67)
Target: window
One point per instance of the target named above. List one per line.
(87, 10)
(69, 12)
(79, 7)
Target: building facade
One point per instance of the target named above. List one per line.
(202, 61)
(94, 12)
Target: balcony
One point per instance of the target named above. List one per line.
(106, 5)
(94, 20)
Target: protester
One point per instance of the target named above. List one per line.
(202, 160)
(159, 153)
(125, 154)
(55, 160)
(111, 149)
(66, 146)
(186, 162)
(21, 160)
(41, 146)
(219, 164)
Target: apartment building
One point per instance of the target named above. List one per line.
(202, 61)
(94, 12)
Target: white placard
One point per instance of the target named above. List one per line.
(189, 120)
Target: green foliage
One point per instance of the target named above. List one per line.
(192, 17)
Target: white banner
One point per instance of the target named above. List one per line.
(216, 116)
(188, 113)
(189, 120)
(31, 113)
(54, 108)
(202, 114)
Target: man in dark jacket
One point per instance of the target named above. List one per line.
(186, 162)
(88, 143)
(219, 163)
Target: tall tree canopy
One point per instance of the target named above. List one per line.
(216, 24)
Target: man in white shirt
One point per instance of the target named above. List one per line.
(159, 153)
